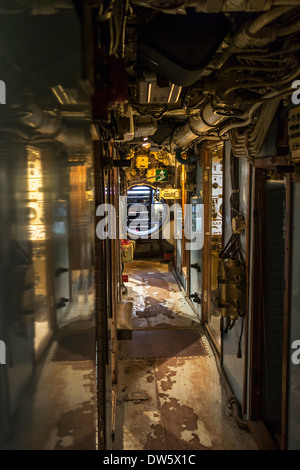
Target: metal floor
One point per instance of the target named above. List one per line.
(58, 410)
(170, 395)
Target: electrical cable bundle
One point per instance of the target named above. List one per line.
(232, 249)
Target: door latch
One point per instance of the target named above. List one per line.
(60, 270)
(62, 302)
(196, 266)
(196, 298)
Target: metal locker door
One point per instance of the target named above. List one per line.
(196, 253)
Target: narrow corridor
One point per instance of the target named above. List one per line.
(170, 394)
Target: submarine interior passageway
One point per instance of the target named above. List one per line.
(149, 214)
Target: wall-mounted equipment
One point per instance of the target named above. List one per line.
(151, 91)
(171, 193)
(231, 281)
(144, 126)
(238, 224)
(142, 162)
(127, 250)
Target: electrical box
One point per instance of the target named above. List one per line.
(231, 292)
(150, 91)
(142, 162)
(126, 125)
(144, 126)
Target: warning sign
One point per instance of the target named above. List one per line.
(156, 175)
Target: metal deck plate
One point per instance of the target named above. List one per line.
(164, 343)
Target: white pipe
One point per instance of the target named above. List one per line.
(196, 126)
(286, 2)
(290, 29)
(49, 124)
(242, 123)
(267, 17)
(44, 122)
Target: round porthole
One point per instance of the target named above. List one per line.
(146, 211)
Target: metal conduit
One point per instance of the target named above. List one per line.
(208, 119)
(51, 125)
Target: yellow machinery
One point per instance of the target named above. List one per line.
(142, 162)
(127, 250)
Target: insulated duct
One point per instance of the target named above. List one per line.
(213, 6)
(257, 32)
(196, 126)
(35, 7)
(75, 135)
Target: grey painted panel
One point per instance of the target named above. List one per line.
(273, 305)
(294, 375)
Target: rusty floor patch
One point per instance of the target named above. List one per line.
(157, 299)
(164, 343)
(170, 395)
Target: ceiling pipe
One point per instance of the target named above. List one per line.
(196, 126)
(289, 29)
(256, 32)
(50, 124)
(216, 6)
